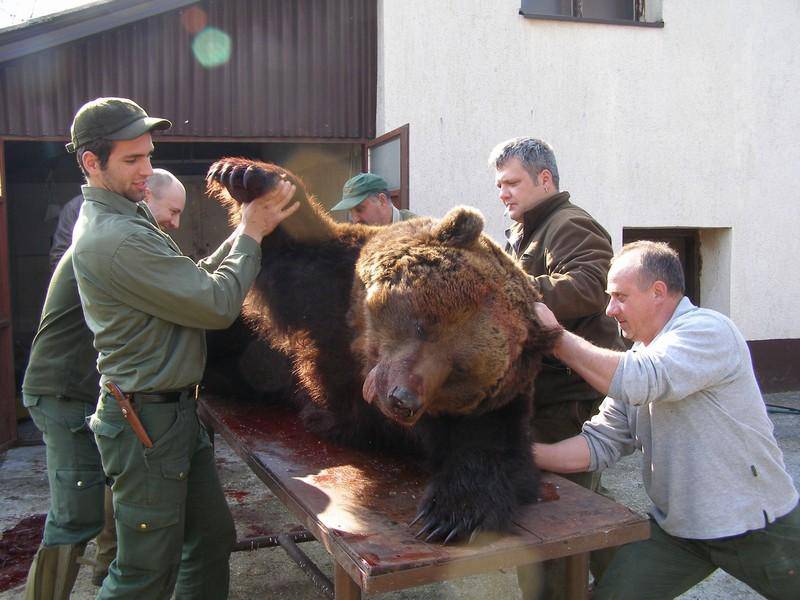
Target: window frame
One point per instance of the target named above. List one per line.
(398, 196)
(576, 11)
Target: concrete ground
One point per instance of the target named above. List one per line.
(269, 573)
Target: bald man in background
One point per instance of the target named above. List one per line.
(166, 198)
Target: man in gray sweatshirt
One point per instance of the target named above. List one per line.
(686, 395)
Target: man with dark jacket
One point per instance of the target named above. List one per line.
(62, 236)
(567, 255)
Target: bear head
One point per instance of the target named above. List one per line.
(445, 320)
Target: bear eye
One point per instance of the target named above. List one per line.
(420, 331)
(459, 369)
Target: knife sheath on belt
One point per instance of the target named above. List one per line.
(130, 415)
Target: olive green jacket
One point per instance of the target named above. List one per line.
(567, 254)
(402, 215)
(63, 362)
(148, 305)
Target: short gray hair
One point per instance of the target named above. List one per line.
(535, 156)
(658, 262)
(160, 180)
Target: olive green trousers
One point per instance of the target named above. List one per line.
(174, 529)
(74, 470)
(663, 567)
(77, 485)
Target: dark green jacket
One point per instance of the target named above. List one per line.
(406, 214)
(567, 254)
(147, 305)
(63, 362)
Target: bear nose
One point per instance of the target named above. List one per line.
(403, 402)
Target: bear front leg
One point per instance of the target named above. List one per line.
(482, 471)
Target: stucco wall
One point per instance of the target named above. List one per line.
(693, 125)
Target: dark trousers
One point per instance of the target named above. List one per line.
(663, 567)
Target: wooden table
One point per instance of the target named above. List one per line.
(358, 506)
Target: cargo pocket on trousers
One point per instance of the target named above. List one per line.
(79, 498)
(104, 433)
(149, 536)
(167, 483)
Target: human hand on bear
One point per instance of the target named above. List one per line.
(546, 316)
(261, 216)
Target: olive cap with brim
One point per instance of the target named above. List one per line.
(111, 119)
(358, 188)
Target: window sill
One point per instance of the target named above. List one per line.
(624, 22)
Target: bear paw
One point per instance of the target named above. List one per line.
(449, 517)
(242, 179)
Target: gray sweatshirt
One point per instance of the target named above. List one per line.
(689, 400)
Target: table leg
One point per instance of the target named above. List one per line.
(577, 576)
(529, 578)
(345, 587)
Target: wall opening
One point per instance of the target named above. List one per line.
(705, 254)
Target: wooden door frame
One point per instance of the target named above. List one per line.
(399, 196)
(8, 399)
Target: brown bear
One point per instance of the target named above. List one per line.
(419, 337)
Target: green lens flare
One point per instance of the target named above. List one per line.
(212, 47)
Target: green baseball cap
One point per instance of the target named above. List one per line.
(358, 188)
(111, 119)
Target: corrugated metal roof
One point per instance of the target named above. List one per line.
(297, 68)
(54, 29)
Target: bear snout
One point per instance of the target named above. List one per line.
(404, 404)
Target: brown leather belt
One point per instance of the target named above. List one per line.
(129, 413)
(164, 397)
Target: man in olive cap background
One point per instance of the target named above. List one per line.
(147, 306)
(367, 198)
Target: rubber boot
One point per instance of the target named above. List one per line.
(53, 572)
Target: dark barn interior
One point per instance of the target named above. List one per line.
(236, 78)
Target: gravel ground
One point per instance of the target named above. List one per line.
(269, 573)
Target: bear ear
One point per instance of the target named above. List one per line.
(460, 227)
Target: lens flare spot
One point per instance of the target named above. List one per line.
(194, 19)
(212, 47)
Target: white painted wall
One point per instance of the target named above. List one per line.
(695, 125)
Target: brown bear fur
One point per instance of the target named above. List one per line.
(419, 337)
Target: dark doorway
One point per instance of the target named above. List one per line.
(685, 241)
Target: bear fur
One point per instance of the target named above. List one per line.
(419, 337)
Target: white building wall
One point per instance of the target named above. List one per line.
(693, 125)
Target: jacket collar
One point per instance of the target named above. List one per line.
(112, 200)
(532, 218)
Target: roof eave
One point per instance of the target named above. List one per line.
(55, 30)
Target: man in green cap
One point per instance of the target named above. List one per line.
(60, 389)
(367, 198)
(147, 306)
